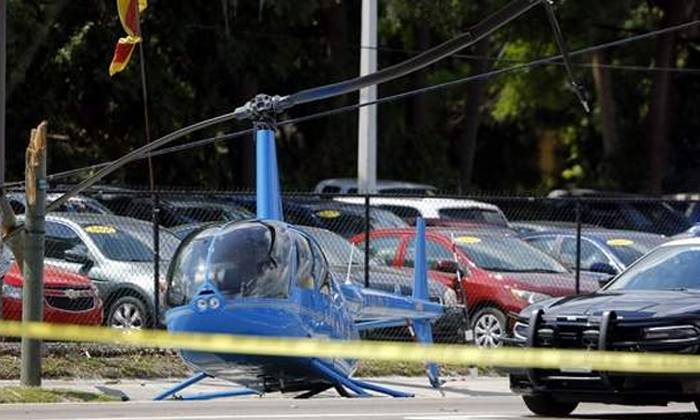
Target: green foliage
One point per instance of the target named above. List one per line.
(206, 58)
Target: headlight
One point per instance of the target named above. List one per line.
(679, 332)
(528, 296)
(449, 298)
(520, 330)
(11, 292)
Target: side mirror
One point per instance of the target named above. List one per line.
(601, 267)
(78, 254)
(447, 266)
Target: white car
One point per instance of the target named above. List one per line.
(437, 208)
(349, 186)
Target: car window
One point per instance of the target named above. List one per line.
(666, 268)
(434, 252)
(590, 253)
(403, 212)
(474, 214)
(629, 250)
(544, 243)
(329, 189)
(382, 249)
(59, 239)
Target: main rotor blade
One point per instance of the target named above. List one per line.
(477, 32)
(136, 154)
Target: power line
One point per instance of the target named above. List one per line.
(620, 67)
(389, 99)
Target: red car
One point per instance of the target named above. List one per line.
(69, 298)
(501, 274)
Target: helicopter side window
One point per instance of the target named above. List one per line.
(305, 264)
(321, 273)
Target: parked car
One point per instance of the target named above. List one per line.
(116, 253)
(69, 298)
(653, 306)
(604, 209)
(500, 274)
(436, 208)
(77, 204)
(344, 219)
(346, 261)
(174, 210)
(603, 251)
(349, 186)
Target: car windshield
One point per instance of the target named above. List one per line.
(506, 254)
(632, 249)
(130, 244)
(337, 249)
(666, 268)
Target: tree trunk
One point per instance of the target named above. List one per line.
(606, 102)
(659, 113)
(472, 117)
(419, 104)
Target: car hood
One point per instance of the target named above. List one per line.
(626, 304)
(553, 284)
(53, 277)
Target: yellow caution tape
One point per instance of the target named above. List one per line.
(454, 354)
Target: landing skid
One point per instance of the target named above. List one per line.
(353, 388)
(173, 392)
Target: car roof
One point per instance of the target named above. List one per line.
(682, 242)
(428, 206)
(88, 218)
(597, 233)
(482, 230)
(346, 183)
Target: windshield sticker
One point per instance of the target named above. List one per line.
(620, 242)
(328, 214)
(100, 229)
(467, 240)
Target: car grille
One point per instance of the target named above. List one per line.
(74, 299)
(605, 333)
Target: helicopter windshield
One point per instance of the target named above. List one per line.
(246, 259)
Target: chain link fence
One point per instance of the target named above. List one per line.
(489, 257)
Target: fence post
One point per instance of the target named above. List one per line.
(35, 222)
(578, 246)
(156, 258)
(367, 239)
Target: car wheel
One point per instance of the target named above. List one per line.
(127, 312)
(547, 406)
(489, 325)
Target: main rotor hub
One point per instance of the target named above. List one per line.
(263, 110)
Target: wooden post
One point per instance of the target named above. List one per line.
(35, 226)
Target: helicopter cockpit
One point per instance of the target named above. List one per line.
(248, 259)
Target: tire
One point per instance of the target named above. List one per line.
(547, 406)
(127, 312)
(488, 325)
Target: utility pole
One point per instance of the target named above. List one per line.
(35, 227)
(3, 94)
(367, 133)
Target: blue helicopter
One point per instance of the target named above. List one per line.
(265, 277)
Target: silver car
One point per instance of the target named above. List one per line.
(116, 253)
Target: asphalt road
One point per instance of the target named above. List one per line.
(473, 408)
(463, 398)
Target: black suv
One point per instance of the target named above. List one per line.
(653, 306)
